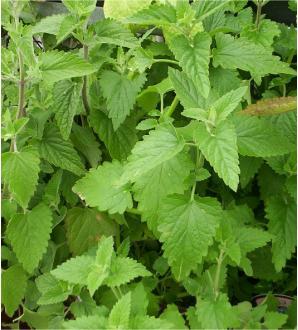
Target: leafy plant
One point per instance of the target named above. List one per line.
(148, 165)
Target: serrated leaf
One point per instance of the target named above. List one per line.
(66, 96)
(220, 149)
(20, 173)
(249, 166)
(120, 142)
(52, 290)
(226, 104)
(101, 267)
(124, 270)
(224, 80)
(84, 227)
(59, 152)
(275, 320)
(13, 285)
(67, 26)
(101, 188)
(49, 24)
(156, 14)
(258, 138)
(119, 316)
(282, 224)
(55, 66)
(112, 32)
(149, 322)
(263, 35)
(86, 322)
(29, 234)
(244, 54)
(51, 193)
(85, 141)
(193, 56)
(186, 226)
(186, 90)
(74, 270)
(120, 9)
(120, 93)
(172, 315)
(217, 314)
(159, 146)
(80, 7)
(165, 179)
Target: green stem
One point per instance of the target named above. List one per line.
(217, 274)
(85, 82)
(165, 60)
(117, 235)
(193, 190)
(173, 106)
(134, 211)
(115, 293)
(259, 11)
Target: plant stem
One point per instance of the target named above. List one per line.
(21, 101)
(259, 10)
(172, 106)
(193, 190)
(165, 60)
(84, 89)
(217, 274)
(134, 211)
(115, 292)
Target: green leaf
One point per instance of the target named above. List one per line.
(20, 173)
(263, 35)
(241, 53)
(80, 7)
(59, 152)
(86, 322)
(49, 24)
(217, 314)
(85, 141)
(159, 146)
(124, 270)
(13, 285)
(101, 188)
(223, 80)
(114, 33)
(193, 56)
(156, 14)
(249, 166)
(119, 316)
(66, 96)
(84, 227)
(226, 104)
(186, 90)
(220, 149)
(275, 320)
(258, 138)
(187, 226)
(281, 214)
(52, 290)
(67, 26)
(74, 270)
(120, 93)
(120, 142)
(51, 193)
(29, 234)
(101, 267)
(150, 323)
(172, 315)
(58, 65)
(165, 179)
(120, 9)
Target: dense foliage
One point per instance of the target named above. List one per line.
(148, 165)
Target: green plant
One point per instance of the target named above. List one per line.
(136, 193)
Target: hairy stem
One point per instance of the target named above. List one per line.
(173, 106)
(259, 11)
(84, 89)
(220, 259)
(165, 60)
